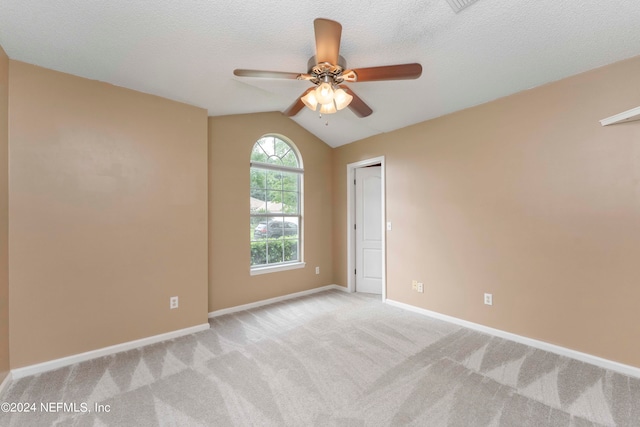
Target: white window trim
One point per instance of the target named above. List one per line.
(277, 267)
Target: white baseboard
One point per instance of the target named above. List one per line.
(105, 351)
(5, 383)
(552, 348)
(243, 307)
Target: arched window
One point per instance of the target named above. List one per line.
(276, 205)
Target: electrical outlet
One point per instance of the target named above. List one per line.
(414, 285)
(488, 299)
(317, 270)
(420, 287)
(173, 302)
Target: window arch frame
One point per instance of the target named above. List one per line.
(264, 217)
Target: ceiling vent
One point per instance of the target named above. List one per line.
(458, 5)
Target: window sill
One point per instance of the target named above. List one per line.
(276, 268)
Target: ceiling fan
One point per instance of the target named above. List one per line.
(327, 70)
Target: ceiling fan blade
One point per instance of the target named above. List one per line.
(297, 105)
(328, 34)
(268, 74)
(357, 105)
(386, 72)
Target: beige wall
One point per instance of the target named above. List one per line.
(526, 197)
(231, 139)
(4, 215)
(108, 214)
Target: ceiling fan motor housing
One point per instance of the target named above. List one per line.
(321, 71)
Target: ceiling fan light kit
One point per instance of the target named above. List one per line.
(330, 97)
(310, 100)
(341, 98)
(328, 109)
(324, 93)
(328, 71)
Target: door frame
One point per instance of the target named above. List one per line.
(351, 213)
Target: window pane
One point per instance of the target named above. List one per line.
(290, 202)
(267, 145)
(290, 227)
(290, 159)
(275, 227)
(257, 201)
(274, 180)
(274, 251)
(258, 154)
(259, 252)
(274, 160)
(275, 232)
(255, 234)
(281, 148)
(259, 228)
(274, 240)
(267, 228)
(290, 250)
(274, 202)
(290, 181)
(258, 179)
(274, 151)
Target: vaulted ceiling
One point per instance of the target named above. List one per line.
(187, 50)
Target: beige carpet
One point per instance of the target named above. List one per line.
(331, 359)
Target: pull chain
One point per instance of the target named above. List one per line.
(320, 117)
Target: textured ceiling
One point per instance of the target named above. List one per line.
(186, 50)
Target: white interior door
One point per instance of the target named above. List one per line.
(368, 230)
